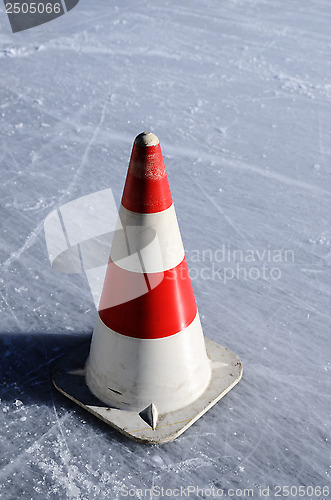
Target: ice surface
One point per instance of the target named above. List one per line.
(238, 93)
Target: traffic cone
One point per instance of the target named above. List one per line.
(150, 373)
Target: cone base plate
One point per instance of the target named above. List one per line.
(68, 378)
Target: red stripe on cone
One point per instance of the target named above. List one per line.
(162, 311)
(146, 187)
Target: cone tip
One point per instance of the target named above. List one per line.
(146, 139)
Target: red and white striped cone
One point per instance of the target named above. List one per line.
(148, 361)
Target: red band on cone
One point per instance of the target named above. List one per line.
(164, 310)
(146, 188)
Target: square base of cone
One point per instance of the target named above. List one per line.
(68, 378)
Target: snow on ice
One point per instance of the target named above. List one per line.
(238, 93)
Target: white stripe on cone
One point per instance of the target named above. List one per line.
(148, 243)
(130, 373)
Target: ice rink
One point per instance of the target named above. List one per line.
(238, 93)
